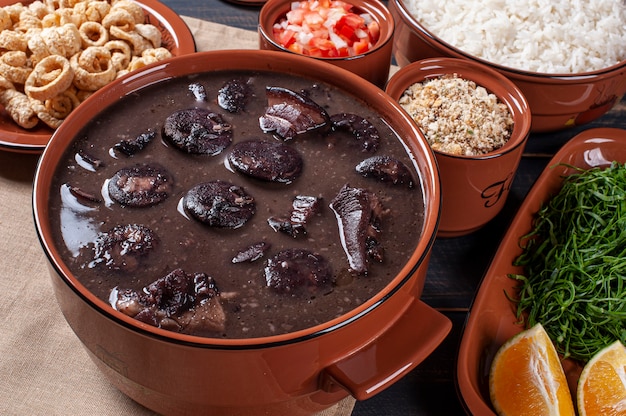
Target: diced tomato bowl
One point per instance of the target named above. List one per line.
(326, 28)
(339, 31)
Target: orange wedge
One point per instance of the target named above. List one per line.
(602, 383)
(527, 378)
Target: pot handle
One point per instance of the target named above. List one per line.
(421, 329)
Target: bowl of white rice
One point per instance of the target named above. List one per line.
(568, 57)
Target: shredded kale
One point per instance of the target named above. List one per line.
(574, 263)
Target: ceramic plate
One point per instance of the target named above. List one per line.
(492, 319)
(175, 36)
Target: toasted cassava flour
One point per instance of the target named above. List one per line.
(457, 116)
(557, 36)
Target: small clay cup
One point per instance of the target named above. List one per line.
(373, 65)
(557, 101)
(474, 188)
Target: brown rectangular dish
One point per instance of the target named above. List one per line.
(492, 318)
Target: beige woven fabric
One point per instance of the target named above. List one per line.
(44, 369)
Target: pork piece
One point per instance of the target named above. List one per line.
(365, 133)
(219, 204)
(181, 302)
(299, 272)
(358, 213)
(198, 91)
(88, 161)
(122, 247)
(234, 95)
(198, 131)
(289, 114)
(140, 186)
(83, 195)
(130, 147)
(386, 169)
(303, 208)
(284, 225)
(252, 252)
(267, 161)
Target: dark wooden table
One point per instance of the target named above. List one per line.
(456, 265)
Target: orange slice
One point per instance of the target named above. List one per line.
(527, 378)
(602, 383)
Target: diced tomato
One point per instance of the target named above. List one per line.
(345, 32)
(350, 27)
(313, 19)
(325, 46)
(343, 52)
(360, 47)
(342, 5)
(286, 37)
(296, 47)
(353, 20)
(321, 33)
(374, 31)
(324, 4)
(295, 16)
(309, 25)
(316, 52)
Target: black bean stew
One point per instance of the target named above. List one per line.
(237, 204)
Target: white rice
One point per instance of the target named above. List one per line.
(548, 36)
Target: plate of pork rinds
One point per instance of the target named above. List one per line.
(54, 54)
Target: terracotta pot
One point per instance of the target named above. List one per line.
(474, 188)
(299, 373)
(374, 65)
(557, 101)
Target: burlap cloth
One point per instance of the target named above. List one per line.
(44, 369)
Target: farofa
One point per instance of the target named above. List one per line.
(457, 116)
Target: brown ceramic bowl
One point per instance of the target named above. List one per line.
(298, 373)
(373, 65)
(473, 188)
(175, 36)
(557, 101)
(492, 319)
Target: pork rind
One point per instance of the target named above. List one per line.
(13, 41)
(92, 11)
(5, 20)
(51, 76)
(93, 68)
(15, 66)
(54, 110)
(64, 41)
(56, 53)
(120, 54)
(17, 105)
(93, 34)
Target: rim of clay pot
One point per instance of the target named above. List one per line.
(234, 59)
